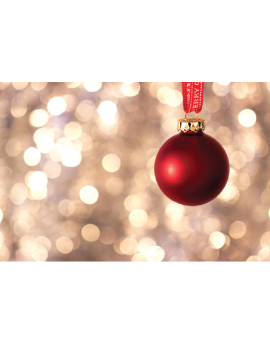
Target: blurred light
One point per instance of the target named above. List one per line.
(216, 239)
(39, 253)
(38, 86)
(211, 225)
(38, 117)
(238, 159)
(52, 169)
(92, 87)
(57, 105)
(90, 232)
(247, 118)
(89, 195)
(32, 156)
(174, 210)
(128, 246)
(130, 89)
(64, 245)
(71, 158)
(20, 85)
(38, 180)
(107, 110)
(114, 186)
(18, 193)
(111, 162)
(237, 230)
(73, 85)
(138, 218)
(84, 110)
(13, 147)
(73, 130)
(144, 244)
(155, 253)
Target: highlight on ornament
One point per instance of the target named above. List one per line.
(134, 171)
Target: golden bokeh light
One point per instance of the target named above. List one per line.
(111, 162)
(38, 117)
(71, 157)
(155, 254)
(64, 245)
(32, 156)
(20, 85)
(13, 147)
(90, 232)
(237, 229)
(89, 195)
(38, 181)
(38, 86)
(57, 105)
(73, 130)
(107, 110)
(138, 218)
(247, 118)
(92, 87)
(216, 240)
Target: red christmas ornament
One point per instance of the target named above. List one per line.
(191, 168)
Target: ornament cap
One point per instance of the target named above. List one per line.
(193, 124)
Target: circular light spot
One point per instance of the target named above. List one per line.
(107, 110)
(57, 105)
(64, 245)
(130, 89)
(20, 85)
(92, 87)
(39, 253)
(114, 186)
(13, 147)
(84, 110)
(174, 210)
(52, 169)
(32, 156)
(155, 254)
(18, 193)
(38, 86)
(247, 118)
(71, 158)
(145, 244)
(217, 240)
(90, 232)
(237, 230)
(128, 246)
(38, 118)
(89, 195)
(111, 162)
(138, 218)
(44, 143)
(72, 130)
(238, 159)
(38, 180)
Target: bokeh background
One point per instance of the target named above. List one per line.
(77, 180)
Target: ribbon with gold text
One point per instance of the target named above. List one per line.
(193, 96)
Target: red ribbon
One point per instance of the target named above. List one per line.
(193, 96)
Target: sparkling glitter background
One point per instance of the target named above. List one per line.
(77, 181)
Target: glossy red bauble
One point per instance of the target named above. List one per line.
(191, 168)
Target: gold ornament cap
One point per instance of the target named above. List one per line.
(191, 125)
